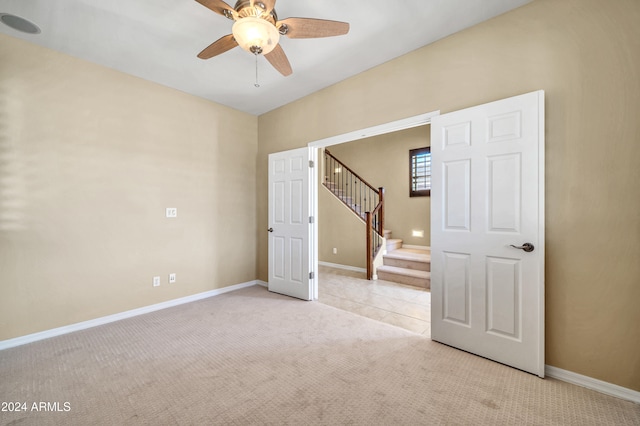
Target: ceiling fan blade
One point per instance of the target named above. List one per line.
(279, 60)
(219, 7)
(311, 28)
(219, 46)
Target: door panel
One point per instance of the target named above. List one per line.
(277, 266)
(297, 201)
(456, 289)
(278, 202)
(504, 194)
(297, 264)
(504, 127)
(457, 193)
(503, 297)
(487, 195)
(456, 135)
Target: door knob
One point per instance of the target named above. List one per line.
(270, 229)
(528, 247)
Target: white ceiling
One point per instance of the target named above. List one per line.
(158, 40)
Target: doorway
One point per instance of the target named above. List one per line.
(346, 287)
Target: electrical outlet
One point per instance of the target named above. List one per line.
(156, 281)
(172, 212)
(172, 278)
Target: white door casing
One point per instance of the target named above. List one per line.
(289, 228)
(488, 194)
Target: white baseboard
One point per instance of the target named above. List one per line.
(29, 338)
(591, 383)
(550, 371)
(345, 267)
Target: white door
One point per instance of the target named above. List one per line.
(289, 228)
(487, 197)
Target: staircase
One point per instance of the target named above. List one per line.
(408, 266)
(363, 199)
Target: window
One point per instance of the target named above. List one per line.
(420, 172)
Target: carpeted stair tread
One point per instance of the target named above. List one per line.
(404, 271)
(409, 254)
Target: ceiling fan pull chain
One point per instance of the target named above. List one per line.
(256, 84)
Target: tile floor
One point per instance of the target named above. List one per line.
(400, 305)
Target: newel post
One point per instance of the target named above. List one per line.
(368, 251)
(381, 225)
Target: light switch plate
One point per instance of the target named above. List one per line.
(156, 281)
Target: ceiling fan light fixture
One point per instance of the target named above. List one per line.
(256, 35)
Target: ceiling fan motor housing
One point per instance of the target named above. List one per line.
(244, 9)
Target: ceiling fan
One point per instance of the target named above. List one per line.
(257, 30)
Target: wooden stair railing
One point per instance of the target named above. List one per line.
(362, 198)
(375, 232)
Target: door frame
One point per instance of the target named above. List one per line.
(381, 129)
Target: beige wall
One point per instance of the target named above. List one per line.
(89, 160)
(339, 228)
(586, 55)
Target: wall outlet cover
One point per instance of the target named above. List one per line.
(172, 278)
(172, 212)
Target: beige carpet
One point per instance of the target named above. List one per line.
(252, 357)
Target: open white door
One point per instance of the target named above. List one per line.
(289, 228)
(487, 197)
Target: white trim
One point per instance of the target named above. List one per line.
(262, 283)
(594, 384)
(541, 231)
(345, 267)
(381, 129)
(30, 338)
(313, 229)
(411, 246)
